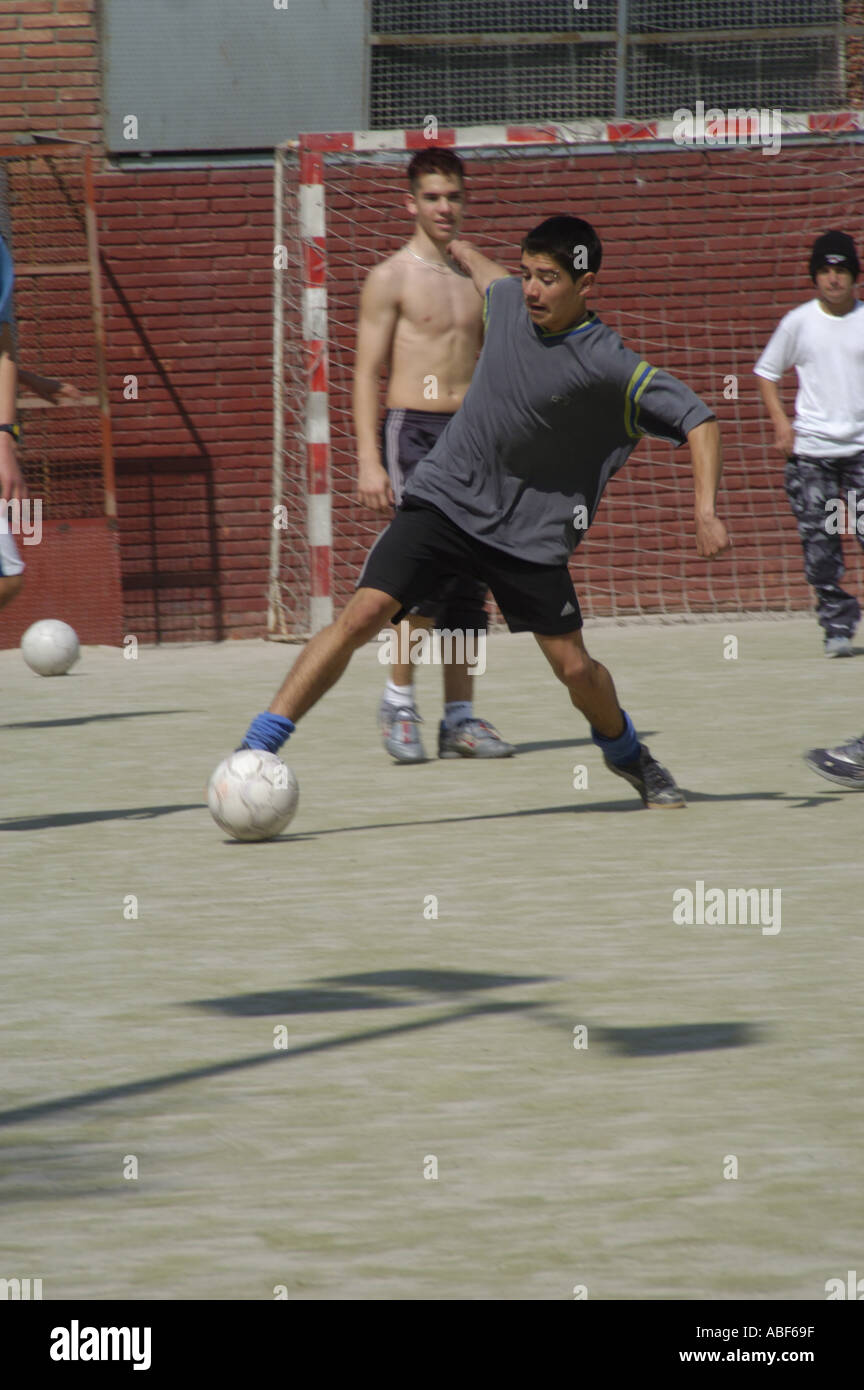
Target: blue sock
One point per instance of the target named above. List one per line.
(623, 749)
(267, 732)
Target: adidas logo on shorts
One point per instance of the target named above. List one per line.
(567, 609)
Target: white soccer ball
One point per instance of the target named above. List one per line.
(50, 647)
(253, 795)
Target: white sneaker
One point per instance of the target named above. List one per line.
(472, 738)
(838, 645)
(400, 733)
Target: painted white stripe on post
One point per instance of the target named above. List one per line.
(576, 132)
(315, 312)
(311, 209)
(379, 139)
(317, 418)
(320, 612)
(481, 135)
(319, 518)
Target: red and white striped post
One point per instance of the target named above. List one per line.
(319, 523)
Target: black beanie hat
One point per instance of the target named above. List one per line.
(834, 248)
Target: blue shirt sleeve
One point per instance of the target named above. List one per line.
(7, 280)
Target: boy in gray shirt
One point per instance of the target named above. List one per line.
(556, 405)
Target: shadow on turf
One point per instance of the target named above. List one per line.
(68, 818)
(25, 1113)
(345, 992)
(543, 744)
(799, 801)
(91, 718)
(684, 1037)
(89, 817)
(353, 992)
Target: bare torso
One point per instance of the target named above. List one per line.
(438, 334)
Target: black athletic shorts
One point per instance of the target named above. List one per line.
(422, 546)
(407, 436)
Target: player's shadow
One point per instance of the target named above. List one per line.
(65, 818)
(90, 718)
(572, 808)
(798, 801)
(543, 744)
(347, 992)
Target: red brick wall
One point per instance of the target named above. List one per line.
(49, 69)
(853, 13)
(189, 257)
(187, 268)
(72, 574)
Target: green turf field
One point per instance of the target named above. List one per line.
(409, 1036)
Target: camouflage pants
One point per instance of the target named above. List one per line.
(812, 485)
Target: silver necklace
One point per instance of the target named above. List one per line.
(441, 269)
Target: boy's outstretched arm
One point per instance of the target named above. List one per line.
(706, 457)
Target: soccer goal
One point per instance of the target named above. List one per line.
(706, 245)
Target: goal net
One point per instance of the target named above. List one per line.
(705, 248)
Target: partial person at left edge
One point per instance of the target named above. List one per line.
(12, 378)
(12, 485)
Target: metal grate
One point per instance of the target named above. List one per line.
(490, 16)
(506, 61)
(795, 74)
(508, 84)
(647, 16)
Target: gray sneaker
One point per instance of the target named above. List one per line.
(473, 738)
(843, 765)
(838, 645)
(400, 733)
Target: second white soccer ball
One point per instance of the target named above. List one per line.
(50, 647)
(253, 795)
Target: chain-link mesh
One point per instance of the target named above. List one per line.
(704, 250)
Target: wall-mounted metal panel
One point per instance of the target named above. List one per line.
(231, 74)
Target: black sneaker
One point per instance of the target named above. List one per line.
(844, 765)
(653, 783)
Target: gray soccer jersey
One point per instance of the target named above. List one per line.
(547, 420)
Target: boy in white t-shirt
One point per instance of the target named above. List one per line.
(824, 341)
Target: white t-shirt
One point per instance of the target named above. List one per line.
(827, 352)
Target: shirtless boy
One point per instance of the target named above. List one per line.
(421, 320)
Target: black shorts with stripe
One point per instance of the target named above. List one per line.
(422, 548)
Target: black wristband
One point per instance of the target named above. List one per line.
(14, 430)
